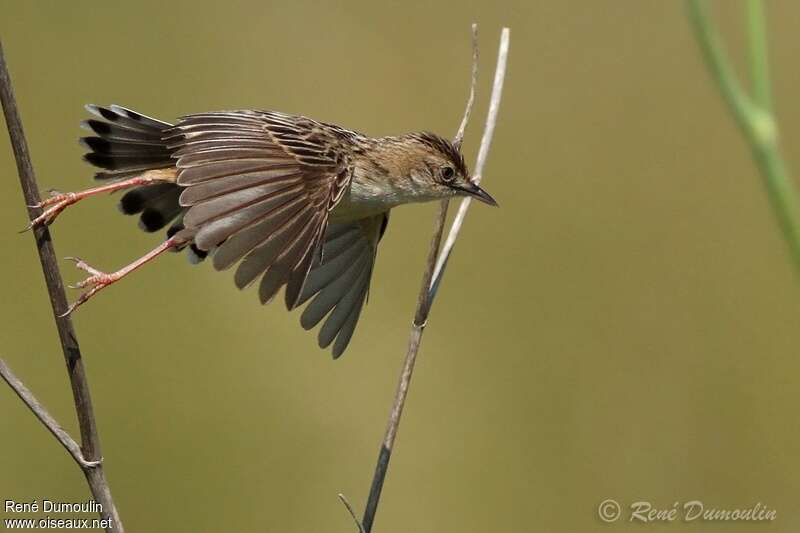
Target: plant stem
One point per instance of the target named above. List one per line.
(426, 295)
(759, 58)
(754, 117)
(90, 441)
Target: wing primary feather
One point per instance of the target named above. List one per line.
(333, 324)
(221, 169)
(335, 231)
(346, 332)
(333, 247)
(213, 143)
(267, 157)
(253, 235)
(299, 274)
(289, 259)
(330, 295)
(267, 250)
(235, 204)
(212, 189)
(321, 276)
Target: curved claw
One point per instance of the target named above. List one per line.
(94, 283)
(83, 298)
(55, 205)
(50, 194)
(68, 312)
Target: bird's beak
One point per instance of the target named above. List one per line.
(476, 192)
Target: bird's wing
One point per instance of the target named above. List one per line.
(259, 187)
(340, 283)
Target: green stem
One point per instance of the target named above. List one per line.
(754, 117)
(759, 59)
(717, 62)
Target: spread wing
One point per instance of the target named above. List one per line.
(339, 285)
(259, 187)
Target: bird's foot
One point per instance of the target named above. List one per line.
(96, 282)
(100, 280)
(53, 206)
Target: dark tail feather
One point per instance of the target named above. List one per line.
(158, 205)
(125, 145)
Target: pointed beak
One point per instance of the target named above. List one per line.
(474, 190)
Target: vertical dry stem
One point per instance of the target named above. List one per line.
(90, 442)
(427, 290)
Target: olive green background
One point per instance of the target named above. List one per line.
(625, 326)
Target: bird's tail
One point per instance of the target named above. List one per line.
(127, 144)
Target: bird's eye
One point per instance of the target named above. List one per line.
(448, 173)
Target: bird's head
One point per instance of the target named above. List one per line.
(429, 167)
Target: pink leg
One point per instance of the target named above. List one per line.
(99, 280)
(60, 201)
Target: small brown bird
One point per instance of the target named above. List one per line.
(293, 201)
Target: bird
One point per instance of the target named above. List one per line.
(290, 201)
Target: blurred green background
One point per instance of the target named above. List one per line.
(624, 326)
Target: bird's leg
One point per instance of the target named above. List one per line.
(99, 280)
(57, 202)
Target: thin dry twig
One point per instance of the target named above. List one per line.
(426, 294)
(462, 128)
(43, 415)
(352, 512)
(483, 153)
(90, 441)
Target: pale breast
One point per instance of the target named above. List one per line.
(364, 198)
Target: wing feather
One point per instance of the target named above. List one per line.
(269, 227)
(329, 296)
(232, 202)
(245, 228)
(354, 294)
(214, 188)
(268, 249)
(347, 329)
(292, 261)
(339, 284)
(334, 266)
(259, 188)
(210, 143)
(233, 167)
